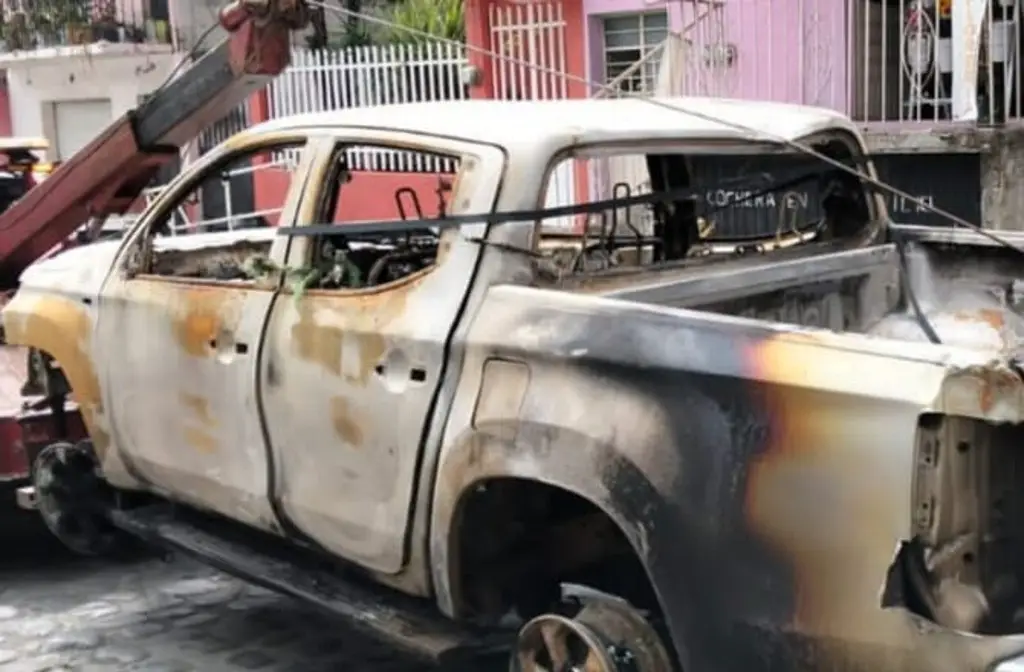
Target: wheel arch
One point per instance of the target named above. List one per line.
(570, 466)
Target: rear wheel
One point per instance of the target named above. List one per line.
(603, 635)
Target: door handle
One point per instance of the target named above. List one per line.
(416, 374)
(239, 347)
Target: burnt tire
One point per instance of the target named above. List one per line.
(74, 501)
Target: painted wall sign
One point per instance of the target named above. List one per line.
(734, 202)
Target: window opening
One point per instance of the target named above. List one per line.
(348, 260)
(245, 192)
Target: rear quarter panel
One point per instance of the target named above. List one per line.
(762, 473)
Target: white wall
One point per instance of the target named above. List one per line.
(191, 18)
(34, 86)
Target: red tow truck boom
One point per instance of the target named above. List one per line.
(107, 175)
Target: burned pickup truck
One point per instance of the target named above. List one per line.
(639, 442)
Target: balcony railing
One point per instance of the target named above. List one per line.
(27, 25)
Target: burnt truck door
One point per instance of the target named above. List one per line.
(353, 363)
(181, 320)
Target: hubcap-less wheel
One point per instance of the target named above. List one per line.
(602, 637)
(72, 498)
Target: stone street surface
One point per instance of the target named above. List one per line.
(58, 612)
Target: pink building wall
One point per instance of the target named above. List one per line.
(785, 50)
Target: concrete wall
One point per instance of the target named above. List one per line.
(191, 18)
(34, 86)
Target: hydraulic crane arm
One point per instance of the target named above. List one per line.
(110, 173)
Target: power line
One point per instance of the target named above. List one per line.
(592, 85)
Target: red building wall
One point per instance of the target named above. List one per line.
(369, 196)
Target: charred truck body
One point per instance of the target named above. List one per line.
(634, 447)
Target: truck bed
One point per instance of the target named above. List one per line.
(975, 299)
(832, 285)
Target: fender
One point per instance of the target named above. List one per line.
(62, 328)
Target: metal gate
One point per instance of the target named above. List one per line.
(525, 35)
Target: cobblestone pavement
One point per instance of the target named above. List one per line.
(58, 612)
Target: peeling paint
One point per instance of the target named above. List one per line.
(199, 406)
(200, 440)
(202, 436)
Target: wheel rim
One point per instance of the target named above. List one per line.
(554, 643)
(604, 636)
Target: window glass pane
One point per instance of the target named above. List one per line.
(654, 36)
(621, 39)
(657, 20)
(622, 23)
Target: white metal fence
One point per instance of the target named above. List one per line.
(332, 79)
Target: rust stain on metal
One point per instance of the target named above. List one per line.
(317, 343)
(198, 433)
(993, 385)
(346, 426)
(63, 329)
(990, 316)
(332, 322)
(205, 312)
(996, 318)
(202, 441)
(199, 406)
